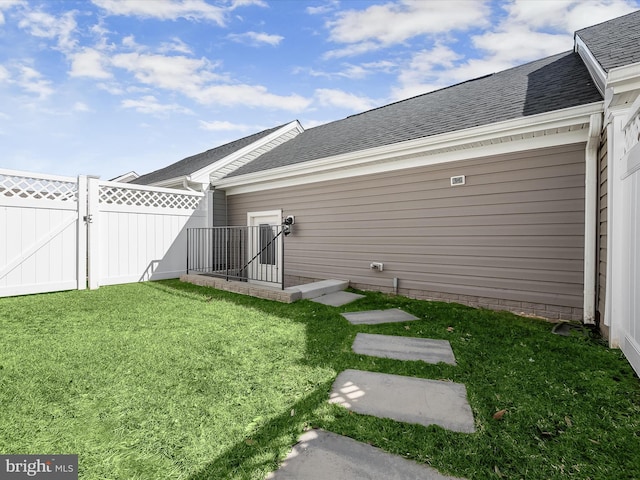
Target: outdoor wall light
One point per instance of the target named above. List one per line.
(286, 224)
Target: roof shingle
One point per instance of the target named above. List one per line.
(553, 83)
(614, 43)
(192, 164)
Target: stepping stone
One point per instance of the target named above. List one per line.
(374, 317)
(320, 455)
(405, 399)
(404, 348)
(337, 299)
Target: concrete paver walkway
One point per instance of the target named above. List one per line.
(404, 348)
(422, 401)
(322, 455)
(374, 317)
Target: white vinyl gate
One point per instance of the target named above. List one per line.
(62, 233)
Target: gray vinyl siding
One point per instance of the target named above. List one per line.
(514, 232)
(602, 229)
(219, 209)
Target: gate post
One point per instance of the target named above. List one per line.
(93, 227)
(82, 232)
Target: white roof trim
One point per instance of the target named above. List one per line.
(561, 127)
(595, 69)
(202, 176)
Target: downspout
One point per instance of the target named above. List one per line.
(591, 218)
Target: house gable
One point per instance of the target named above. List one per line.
(198, 168)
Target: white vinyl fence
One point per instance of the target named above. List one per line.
(40, 229)
(61, 233)
(623, 278)
(139, 233)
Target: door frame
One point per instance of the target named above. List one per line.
(273, 271)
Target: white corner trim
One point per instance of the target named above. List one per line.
(497, 138)
(590, 218)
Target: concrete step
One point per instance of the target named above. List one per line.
(337, 299)
(317, 289)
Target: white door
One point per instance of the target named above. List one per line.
(265, 247)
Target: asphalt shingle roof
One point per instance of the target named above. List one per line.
(192, 164)
(614, 43)
(552, 83)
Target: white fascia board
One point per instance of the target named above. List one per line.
(176, 182)
(624, 79)
(447, 147)
(202, 175)
(593, 66)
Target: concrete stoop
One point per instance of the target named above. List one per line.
(317, 289)
(288, 295)
(322, 455)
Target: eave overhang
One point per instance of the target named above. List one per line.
(560, 127)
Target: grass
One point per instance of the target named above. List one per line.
(169, 380)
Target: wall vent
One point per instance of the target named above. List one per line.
(458, 180)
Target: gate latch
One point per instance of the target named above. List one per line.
(88, 218)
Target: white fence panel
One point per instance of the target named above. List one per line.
(631, 343)
(41, 247)
(624, 276)
(138, 233)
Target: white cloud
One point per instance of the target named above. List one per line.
(81, 107)
(341, 99)
(224, 126)
(44, 25)
(529, 31)
(164, 10)
(170, 72)
(150, 105)
(6, 5)
(175, 45)
(249, 96)
(256, 38)
(32, 81)
(567, 15)
(89, 63)
(330, 6)
(394, 23)
(4, 74)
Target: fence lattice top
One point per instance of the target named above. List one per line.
(18, 186)
(146, 198)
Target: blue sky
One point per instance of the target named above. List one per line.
(102, 87)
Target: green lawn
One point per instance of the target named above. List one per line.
(169, 380)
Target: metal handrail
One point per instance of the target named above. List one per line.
(240, 253)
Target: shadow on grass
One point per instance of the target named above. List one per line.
(328, 338)
(261, 452)
(507, 363)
